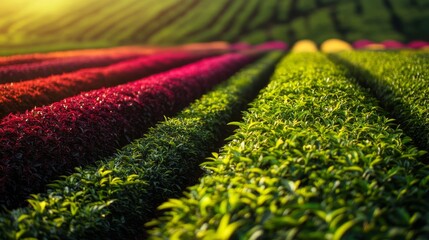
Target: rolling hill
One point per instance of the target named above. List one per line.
(35, 26)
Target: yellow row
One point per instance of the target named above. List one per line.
(331, 45)
(335, 45)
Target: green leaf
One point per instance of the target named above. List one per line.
(226, 229)
(339, 233)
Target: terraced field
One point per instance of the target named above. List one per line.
(34, 26)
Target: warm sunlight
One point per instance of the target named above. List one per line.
(38, 6)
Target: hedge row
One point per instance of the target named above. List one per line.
(21, 96)
(47, 141)
(40, 57)
(33, 58)
(314, 158)
(400, 80)
(25, 71)
(114, 198)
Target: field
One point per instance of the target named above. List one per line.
(260, 120)
(45, 25)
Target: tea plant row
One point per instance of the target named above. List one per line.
(400, 80)
(315, 157)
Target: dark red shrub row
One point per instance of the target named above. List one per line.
(41, 144)
(25, 71)
(17, 97)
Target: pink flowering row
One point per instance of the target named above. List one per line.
(17, 97)
(39, 145)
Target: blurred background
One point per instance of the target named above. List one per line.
(47, 25)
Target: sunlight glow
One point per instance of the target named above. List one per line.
(49, 5)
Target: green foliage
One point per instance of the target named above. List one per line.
(314, 158)
(128, 26)
(372, 23)
(282, 10)
(412, 16)
(321, 26)
(255, 37)
(265, 12)
(226, 18)
(110, 23)
(306, 6)
(242, 18)
(187, 23)
(114, 198)
(400, 80)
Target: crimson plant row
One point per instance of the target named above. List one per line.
(25, 95)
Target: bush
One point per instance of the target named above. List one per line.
(400, 80)
(314, 158)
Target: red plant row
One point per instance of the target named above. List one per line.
(24, 67)
(45, 142)
(17, 97)
(39, 57)
(20, 72)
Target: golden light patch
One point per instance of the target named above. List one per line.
(335, 45)
(304, 46)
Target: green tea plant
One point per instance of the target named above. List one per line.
(400, 80)
(282, 9)
(115, 15)
(213, 12)
(168, 15)
(220, 23)
(263, 15)
(241, 20)
(117, 32)
(314, 158)
(115, 197)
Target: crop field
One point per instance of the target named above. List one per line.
(201, 119)
(47, 25)
(325, 146)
